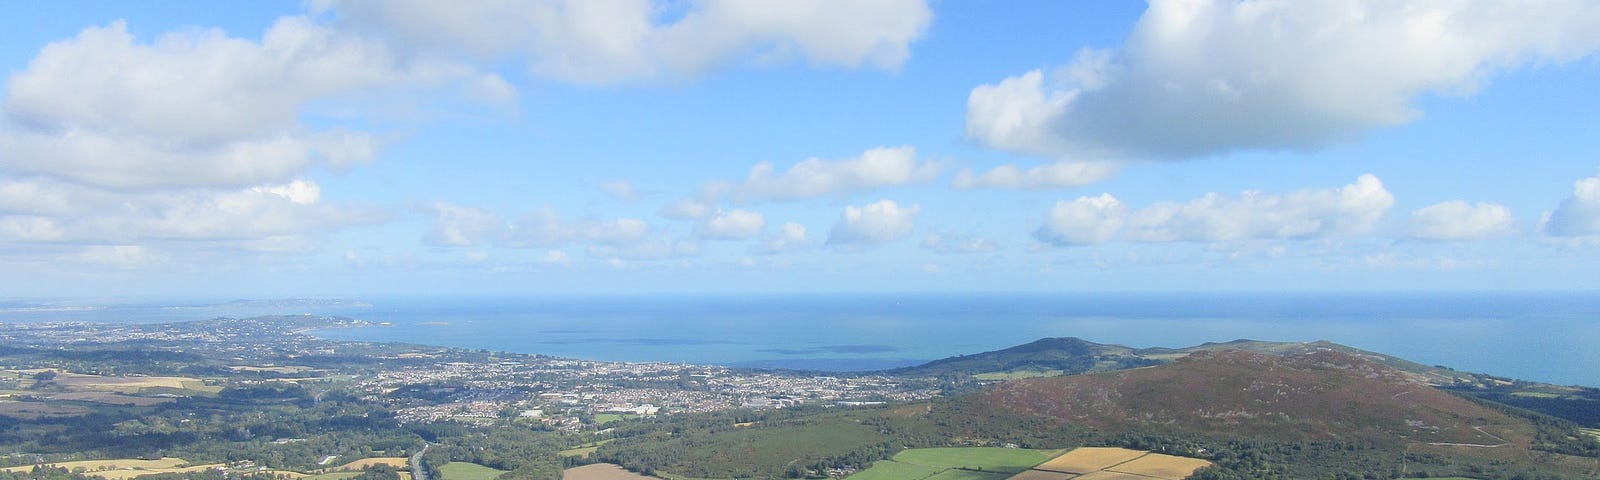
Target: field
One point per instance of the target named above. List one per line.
(399, 463)
(1108, 463)
(1090, 459)
(1162, 466)
(601, 471)
(467, 471)
(974, 463)
(126, 468)
(119, 384)
(1593, 432)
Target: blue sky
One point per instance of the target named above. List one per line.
(353, 147)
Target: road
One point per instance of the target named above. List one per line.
(417, 472)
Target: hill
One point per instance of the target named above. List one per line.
(1043, 357)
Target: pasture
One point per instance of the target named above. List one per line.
(119, 384)
(112, 398)
(963, 463)
(467, 471)
(38, 410)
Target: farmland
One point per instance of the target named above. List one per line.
(954, 463)
(399, 463)
(467, 471)
(1109, 463)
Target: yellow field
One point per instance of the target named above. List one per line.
(1042, 475)
(1089, 459)
(96, 382)
(1162, 466)
(1109, 475)
(114, 464)
(399, 463)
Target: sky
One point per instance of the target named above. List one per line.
(515, 147)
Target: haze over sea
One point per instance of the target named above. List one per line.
(1550, 337)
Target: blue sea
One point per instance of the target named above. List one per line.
(1550, 337)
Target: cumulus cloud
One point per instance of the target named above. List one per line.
(612, 239)
(792, 237)
(1250, 215)
(1084, 221)
(267, 217)
(607, 41)
(1053, 175)
(731, 225)
(815, 177)
(1202, 77)
(1579, 214)
(195, 108)
(1459, 220)
(457, 226)
(874, 224)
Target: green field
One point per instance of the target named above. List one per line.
(604, 418)
(892, 470)
(1593, 432)
(968, 463)
(467, 471)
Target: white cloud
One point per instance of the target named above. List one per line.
(457, 226)
(1083, 221)
(1579, 214)
(606, 41)
(1053, 175)
(1313, 213)
(731, 225)
(874, 224)
(687, 208)
(815, 177)
(1459, 220)
(1202, 77)
(792, 237)
(195, 108)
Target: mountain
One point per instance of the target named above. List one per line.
(1043, 357)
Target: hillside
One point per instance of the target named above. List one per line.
(1320, 394)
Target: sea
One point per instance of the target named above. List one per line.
(1542, 336)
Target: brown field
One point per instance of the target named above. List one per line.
(1089, 459)
(113, 464)
(1042, 475)
(601, 471)
(96, 382)
(112, 398)
(1110, 475)
(399, 463)
(38, 410)
(1162, 466)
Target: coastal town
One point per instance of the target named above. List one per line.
(424, 384)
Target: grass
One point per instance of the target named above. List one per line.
(958, 474)
(1593, 432)
(991, 459)
(583, 450)
(604, 418)
(467, 471)
(1535, 394)
(892, 470)
(968, 463)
